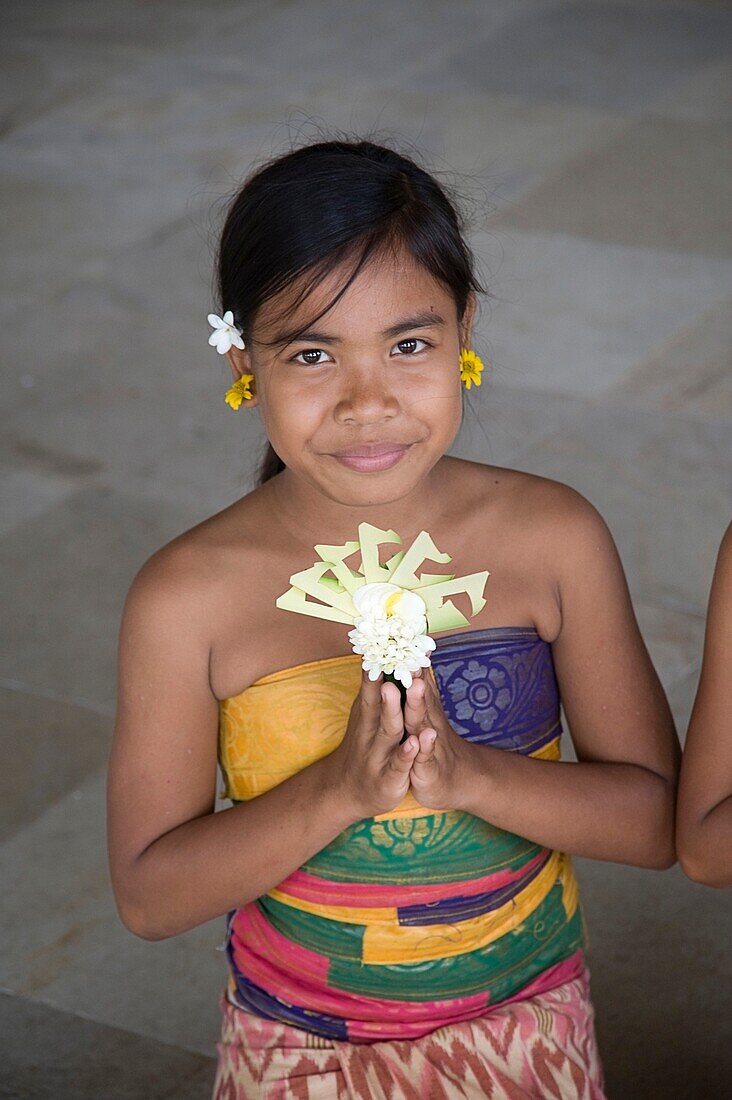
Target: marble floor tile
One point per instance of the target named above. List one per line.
(27, 493)
(660, 975)
(501, 422)
(491, 148)
(100, 199)
(48, 747)
(661, 184)
(664, 487)
(704, 95)
(30, 82)
(573, 316)
(52, 1054)
(675, 641)
(54, 54)
(127, 23)
(607, 55)
(690, 374)
(69, 570)
(33, 271)
(681, 698)
(153, 135)
(303, 49)
(136, 401)
(63, 943)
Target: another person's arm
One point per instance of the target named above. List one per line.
(704, 812)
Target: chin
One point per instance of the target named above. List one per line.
(373, 490)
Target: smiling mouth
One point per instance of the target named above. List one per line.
(372, 450)
(381, 460)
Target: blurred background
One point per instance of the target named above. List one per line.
(590, 144)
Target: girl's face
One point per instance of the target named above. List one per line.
(380, 367)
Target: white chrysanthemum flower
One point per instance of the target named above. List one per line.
(225, 332)
(390, 631)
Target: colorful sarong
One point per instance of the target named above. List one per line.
(537, 1048)
(415, 919)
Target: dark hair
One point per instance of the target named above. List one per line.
(311, 209)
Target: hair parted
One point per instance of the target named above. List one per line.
(302, 214)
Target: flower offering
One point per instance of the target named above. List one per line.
(392, 609)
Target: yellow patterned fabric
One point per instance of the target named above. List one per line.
(308, 706)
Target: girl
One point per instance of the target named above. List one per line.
(396, 911)
(704, 818)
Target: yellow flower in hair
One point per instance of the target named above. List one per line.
(240, 391)
(470, 368)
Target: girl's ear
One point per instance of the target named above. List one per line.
(240, 363)
(466, 325)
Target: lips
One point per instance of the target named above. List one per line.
(372, 457)
(371, 450)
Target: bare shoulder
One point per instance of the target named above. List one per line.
(195, 568)
(537, 509)
(565, 516)
(540, 538)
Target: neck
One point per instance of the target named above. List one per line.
(309, 517)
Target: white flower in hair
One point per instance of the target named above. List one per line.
(225, 332)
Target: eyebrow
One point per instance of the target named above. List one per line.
(419, 320)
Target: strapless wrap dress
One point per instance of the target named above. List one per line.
(422, 953)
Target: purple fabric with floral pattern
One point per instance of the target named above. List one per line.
(504, 695)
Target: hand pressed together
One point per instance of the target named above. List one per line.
(440, 769)
(372, 769)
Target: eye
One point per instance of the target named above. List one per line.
(310, 362)
(413, 340)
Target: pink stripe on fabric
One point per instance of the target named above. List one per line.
(309, 989)
(265, 972)
(549, 979)
(304, 993)
(565, 971)
(256, 929)
(322, 891)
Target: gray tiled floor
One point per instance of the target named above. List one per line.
(48, 1053)
(588, 140)
(610, 55)
(661, 184)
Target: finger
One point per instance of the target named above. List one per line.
(430, 685)
(427, 740)
(392, 718)
(415, 707)
(433, 699)
(371, 699)
(403, 756)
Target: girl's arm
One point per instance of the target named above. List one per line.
(704, 814)
(174, 862)
(617, 802)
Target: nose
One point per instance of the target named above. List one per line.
(366, 396)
